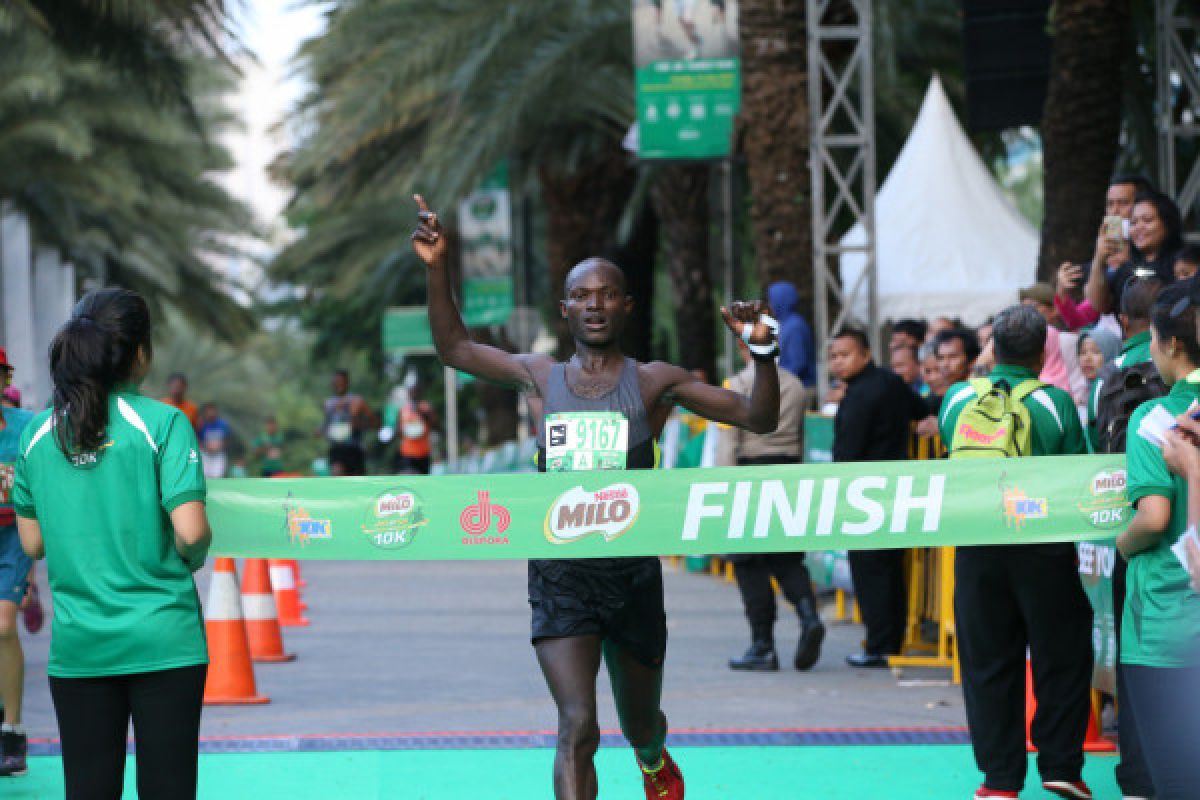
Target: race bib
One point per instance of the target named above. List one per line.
(581, 441)
(340, 432)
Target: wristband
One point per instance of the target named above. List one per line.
(762, 350)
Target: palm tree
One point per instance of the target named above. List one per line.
(429, 96)
(120, 183)
(1081, 124)
(773, 135)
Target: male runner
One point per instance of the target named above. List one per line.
(610, 608)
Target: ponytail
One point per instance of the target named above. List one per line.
(96, 350)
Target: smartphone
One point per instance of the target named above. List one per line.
(1115, 227)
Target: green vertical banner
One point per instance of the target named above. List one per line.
(485, 225)
(688, 77)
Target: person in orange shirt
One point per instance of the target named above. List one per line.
(417, 420)
(177, 387)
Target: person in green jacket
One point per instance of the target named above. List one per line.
(109, 489)
(1161, 621)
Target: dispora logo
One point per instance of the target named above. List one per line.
(578, 513)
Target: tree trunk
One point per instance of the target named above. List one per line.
(773, 131)
(1081, 125)
(637, 257)
(680, 194)
(583, 210)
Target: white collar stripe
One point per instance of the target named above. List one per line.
(959, 396)
(136, 421)
(1042, 397)
(47, 426)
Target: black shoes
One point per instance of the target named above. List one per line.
(812, 634)
(12, 754)
(867, 660)
(759, 657)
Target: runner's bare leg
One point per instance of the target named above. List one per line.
(570, 665)
(637, 689)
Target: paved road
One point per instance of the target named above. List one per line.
(442, 646)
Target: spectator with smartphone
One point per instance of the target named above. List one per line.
(1155, 238)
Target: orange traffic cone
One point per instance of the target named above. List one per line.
(262, 623)
(287, 598)
(1093, 742)
(300, 582)
(230, 673)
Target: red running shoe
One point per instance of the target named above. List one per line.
(32, 612)
(984, 793)
(1072, 790)
(664, 783)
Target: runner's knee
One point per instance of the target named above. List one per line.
(579, 730)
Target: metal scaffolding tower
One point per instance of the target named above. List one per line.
(1178, 106)
(841, 95)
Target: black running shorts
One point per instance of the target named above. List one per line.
(619, 599)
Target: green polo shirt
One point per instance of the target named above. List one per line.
(124, 600)
(1057, 430)
(1134, 350)
(1162, 613)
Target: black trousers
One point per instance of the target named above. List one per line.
(1166, 707)
(882, 597)
(1132, 772)
(93, 722)
(754, 582)
(1008, 599)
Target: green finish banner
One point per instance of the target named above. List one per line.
(760, 509)
(688, 77)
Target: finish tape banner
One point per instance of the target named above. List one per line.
(759, 509)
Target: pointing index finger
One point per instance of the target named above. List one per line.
(421, 204)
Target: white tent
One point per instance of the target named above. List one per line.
(948, 241)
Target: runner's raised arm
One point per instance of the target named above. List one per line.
(759, 412)
(450, 338)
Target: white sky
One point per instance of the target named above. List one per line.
(272, 30)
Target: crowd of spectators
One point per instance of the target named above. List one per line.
(1115, 333)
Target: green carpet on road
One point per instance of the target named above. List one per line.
(944, 772)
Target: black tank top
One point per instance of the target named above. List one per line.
(626, 398)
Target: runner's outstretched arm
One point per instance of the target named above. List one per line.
(450, 338)
(759, 412)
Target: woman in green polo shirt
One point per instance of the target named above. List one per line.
(1161, 622)
(109, 489)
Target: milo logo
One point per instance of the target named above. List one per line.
(578, 513)
(393, 519)
(1104, 504)
(1108, 481)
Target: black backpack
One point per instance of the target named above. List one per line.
(1122, 391)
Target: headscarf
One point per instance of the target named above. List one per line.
(1110, 345)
